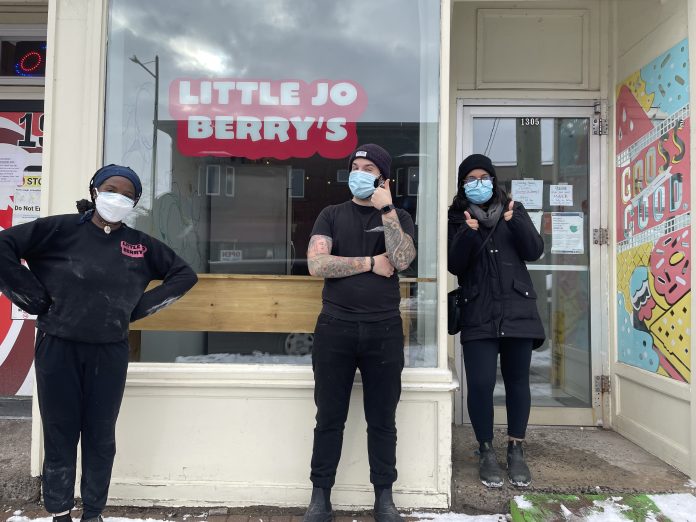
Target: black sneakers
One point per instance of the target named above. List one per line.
(62, 518)
(518, 472)
(385, 510)
(489, 470)
(319, 509)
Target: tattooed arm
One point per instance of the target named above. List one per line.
(400, 248)
(321, 263)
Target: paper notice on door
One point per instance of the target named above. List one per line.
(567, 230)
(561, 195)
(536, 219)
(529, 192)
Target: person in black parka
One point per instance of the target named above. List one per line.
(499, 313)
(86, 281)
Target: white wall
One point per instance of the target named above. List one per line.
(223, 434)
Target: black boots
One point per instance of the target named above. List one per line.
(62, 518)
(319, 509)
(385, 510)
(489, 470)
(518, 472)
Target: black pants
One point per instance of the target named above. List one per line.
(377, 348)
(480, 365)
(80, 387)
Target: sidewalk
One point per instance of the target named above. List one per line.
(562, 460)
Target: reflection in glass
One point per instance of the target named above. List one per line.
(248, 215)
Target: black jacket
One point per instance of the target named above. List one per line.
(498, 297)
(85, 285)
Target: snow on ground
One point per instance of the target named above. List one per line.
(522, 502)
(610, 510)
(456, 517)
(677, 506)
(426, 517)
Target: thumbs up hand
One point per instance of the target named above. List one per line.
(508, 213)
(473, 224)
(382, 196)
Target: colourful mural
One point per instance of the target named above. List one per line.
(653, 133)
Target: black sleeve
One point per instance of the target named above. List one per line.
(323, 224)
(462, 242)
(528, 243)
(17, 282)
(177, 279)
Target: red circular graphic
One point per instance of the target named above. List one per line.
(29, 55)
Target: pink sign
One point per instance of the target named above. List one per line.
(266, 119)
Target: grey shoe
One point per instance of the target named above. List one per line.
(319, 509)
(385, 510)
(489, 471)
(518, 472)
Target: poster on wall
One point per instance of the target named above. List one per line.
(653, 211)
(21, 145)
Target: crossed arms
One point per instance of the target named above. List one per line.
(400, 253)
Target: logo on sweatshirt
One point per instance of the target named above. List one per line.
(133, 250)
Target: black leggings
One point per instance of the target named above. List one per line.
(480, 364)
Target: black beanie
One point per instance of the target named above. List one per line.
(472, 162)
(375, 154)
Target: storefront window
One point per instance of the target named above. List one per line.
(256, 106)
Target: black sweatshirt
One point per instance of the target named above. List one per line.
(86, 285)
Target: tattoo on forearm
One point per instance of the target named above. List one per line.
(321, 263)
(400, 247)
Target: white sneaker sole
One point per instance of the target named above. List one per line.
(492, 484)
(520, 484)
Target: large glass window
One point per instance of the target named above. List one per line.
(239, 116)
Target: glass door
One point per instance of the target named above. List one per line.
(547, 158)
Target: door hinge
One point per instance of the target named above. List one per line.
(600, 236)
(600, 126)
(602, 384)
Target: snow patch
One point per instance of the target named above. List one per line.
(611, 511)
(691, 484)
(522, 502)
(676, 506)
(256, 357)
(456, 517)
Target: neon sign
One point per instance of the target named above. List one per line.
(25, 58)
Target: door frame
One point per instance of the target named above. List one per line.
(467, 109)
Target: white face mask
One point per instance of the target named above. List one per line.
(113, 207)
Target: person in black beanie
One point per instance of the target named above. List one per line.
(86, 282)
(358, 247)
(489, 239)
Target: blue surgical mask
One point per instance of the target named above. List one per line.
(361, 184)
(479, 191)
